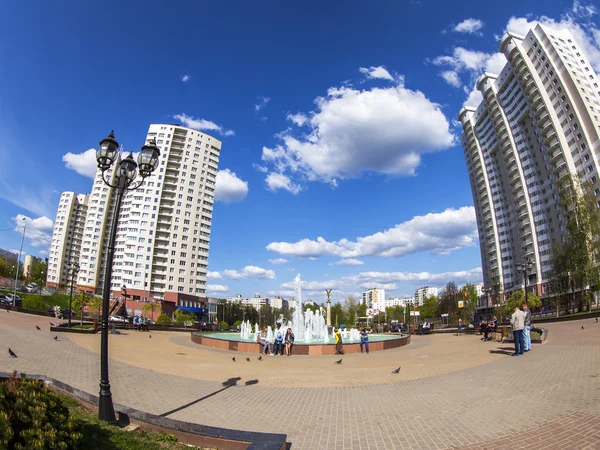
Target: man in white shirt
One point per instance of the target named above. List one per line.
(518, 323)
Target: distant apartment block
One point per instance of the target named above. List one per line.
(375, 301)
(67, 237)
(256, 302)
(397, 301)
(423, 292)
(536, 131)
(163, 232)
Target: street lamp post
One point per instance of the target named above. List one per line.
(74, 271)
(126, 172)
(526, 269)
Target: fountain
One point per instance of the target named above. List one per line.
(311, 334)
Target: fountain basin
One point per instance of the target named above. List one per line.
(233, 342)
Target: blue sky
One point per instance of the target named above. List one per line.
(341, 119)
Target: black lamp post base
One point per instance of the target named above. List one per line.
(106, 411)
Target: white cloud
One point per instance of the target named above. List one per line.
(386, 280)
(40, 201)
(38, 231)
(396, 125)
(472, 275)
(386, 286)
(435, 232)
(276, 181)
(378, 72)
(202, 124)
(186, 78)
(298, 119)
(348, 262)
(83, 163)
(217, 288)
(451, 77)
(249, 271)
(474, 98)
(213, 275)
(229, 187)
(495, 63)
(314, 285)
(463, 59)
(470, 26)
(262, 102)
(278, 261)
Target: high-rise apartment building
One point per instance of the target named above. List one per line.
(164, 226)
(423, 292)
(66, 238)
(375, 301)
(536, 132)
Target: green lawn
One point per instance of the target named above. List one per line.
(535, 335)
(86, 326)
(100, 436)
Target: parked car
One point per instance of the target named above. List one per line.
(17, 300)
(4, 300)
(118, 319)
(149, 322)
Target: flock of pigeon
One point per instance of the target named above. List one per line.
(260, 358)
(339, 361)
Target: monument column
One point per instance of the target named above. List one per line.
(328, 311)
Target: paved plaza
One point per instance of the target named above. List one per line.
(452, 391)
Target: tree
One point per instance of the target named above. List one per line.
(95, 306)
(361, 310)
(468, 295)
(429, 309)
(517, 298)
(395, 313)
(577, 257)
(3, 268)
(351, 307)
(338, 315)
(153, 307)
(448, 303)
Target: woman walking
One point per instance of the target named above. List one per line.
(459, 331)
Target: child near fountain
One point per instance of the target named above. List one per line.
(261, 339)
(338, 342)
(289, 341)
(278, 341)
(364, 340)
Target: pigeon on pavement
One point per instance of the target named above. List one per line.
(396, 370)
(38, 328)
(260, 358)
(248, 359)
(150, 336)
(11, 353)
(56, 338)
(582, 327)
(233, 359)
(338, 362)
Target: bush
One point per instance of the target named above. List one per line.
(237, 323)
(184, 319)
(34, 417)
(163, 319)
(223, 325)
(35, 303)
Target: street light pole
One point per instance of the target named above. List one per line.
(74, 272)
(126, 172)
(18, 262)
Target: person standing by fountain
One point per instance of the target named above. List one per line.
(364, 340)
(278, 342)
(339, 350)
(289, 341)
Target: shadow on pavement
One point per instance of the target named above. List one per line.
(226, 385)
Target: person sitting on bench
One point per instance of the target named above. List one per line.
(491, 328)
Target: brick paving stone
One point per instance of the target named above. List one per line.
(435, 403)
